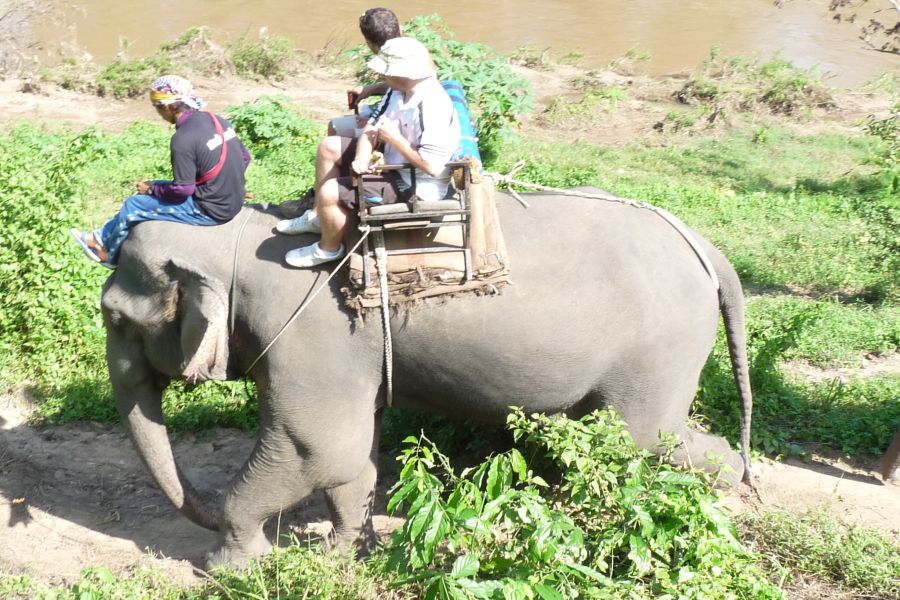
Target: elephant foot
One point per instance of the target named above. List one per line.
(237, 556)
(712, 454)
(361, 543)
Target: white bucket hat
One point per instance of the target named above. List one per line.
(403, 57)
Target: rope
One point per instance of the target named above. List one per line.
(381, 264)
(671, 219)
(303, 306)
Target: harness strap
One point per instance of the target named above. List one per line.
(381, 265)
(312, 297)
(223, 155)
(381, 107)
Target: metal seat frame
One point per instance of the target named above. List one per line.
(416, 214)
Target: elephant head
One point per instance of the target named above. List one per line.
(163, 324)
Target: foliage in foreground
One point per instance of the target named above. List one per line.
(619, 522)
(615, 522)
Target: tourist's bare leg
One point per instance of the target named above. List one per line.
(332, 215)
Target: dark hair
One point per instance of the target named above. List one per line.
(379, 25)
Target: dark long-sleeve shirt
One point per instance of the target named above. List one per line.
(196, 149)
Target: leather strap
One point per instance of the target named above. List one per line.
(215, 170)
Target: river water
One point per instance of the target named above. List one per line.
(677, 34)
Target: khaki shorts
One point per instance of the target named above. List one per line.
(384, 188)
(346, 126)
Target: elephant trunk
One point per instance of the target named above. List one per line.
(141, 411)
(890, 463)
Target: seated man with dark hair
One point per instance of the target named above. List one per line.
(377, 25)
(416, 123)
(208, 163)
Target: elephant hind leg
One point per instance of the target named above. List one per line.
(710, 452)
(890, 463)
(351, 514)
(351, 505)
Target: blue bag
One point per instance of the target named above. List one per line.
(468, 142)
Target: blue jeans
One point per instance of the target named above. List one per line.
(139, 208)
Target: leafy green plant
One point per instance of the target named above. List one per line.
(888, 129)
(496, 95)
(276, 132)
(265, 58)
(271, 122)
(127, 78)
(618, 523)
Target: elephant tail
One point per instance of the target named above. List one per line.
(731, 303)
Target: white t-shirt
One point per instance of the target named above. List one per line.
(428, 122)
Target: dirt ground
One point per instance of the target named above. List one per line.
(77, 496)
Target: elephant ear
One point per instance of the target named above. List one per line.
(202, 308)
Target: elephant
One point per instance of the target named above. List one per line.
(890, 462)
(608, 306)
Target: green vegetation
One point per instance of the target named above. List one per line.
(124, 78)
(816, 545)
(809, 220)
(265, 58)
(583, 109)
(738, 85)
(496, 95)
(619, 523)
(888, 129)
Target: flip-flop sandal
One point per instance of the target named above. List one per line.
(82, 238)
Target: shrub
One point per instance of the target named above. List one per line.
(266, 58)
(496, 95)
(272, 122)
(888, 129)
(618, 523)
(127, 78)
(775, 86)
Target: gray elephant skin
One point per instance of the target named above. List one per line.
(608, 306)
(890, 462)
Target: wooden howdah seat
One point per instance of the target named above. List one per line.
(455, 211)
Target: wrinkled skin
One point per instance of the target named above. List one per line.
(608, 306)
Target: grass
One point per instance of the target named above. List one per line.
(814, 545)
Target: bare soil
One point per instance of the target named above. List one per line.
(77, 496)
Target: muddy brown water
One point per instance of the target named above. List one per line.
(677, 34)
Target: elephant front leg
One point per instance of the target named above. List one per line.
(271, 481)
(351, 505)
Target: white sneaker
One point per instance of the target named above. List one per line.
(308, 222)
(312, 255)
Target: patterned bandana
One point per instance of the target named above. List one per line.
(172, 88)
